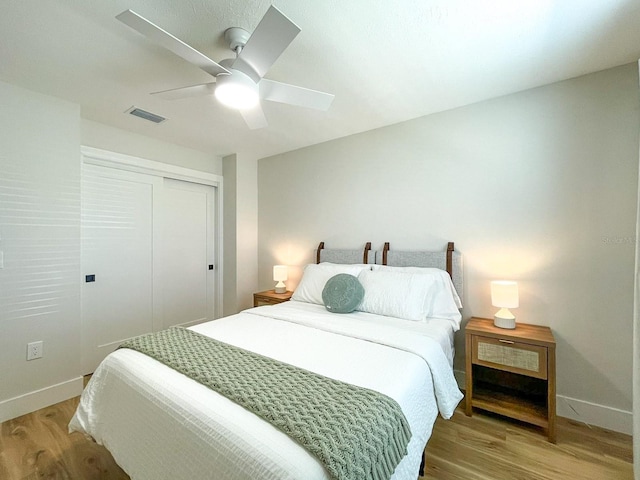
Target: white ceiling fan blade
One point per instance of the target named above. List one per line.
(271, 37)
(171, 43)
(294, 95)
(185, 92)
(254, 117)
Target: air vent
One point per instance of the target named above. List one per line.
(152, 117)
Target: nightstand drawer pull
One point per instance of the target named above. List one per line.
(506, 341)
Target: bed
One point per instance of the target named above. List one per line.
(161, 424)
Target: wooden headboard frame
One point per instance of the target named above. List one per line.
(365, 254)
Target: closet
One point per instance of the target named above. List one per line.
(150, 239)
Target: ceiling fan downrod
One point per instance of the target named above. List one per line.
(237, 38)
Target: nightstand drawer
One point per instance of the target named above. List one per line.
(269, 297)
(260, 301)
(510, 356)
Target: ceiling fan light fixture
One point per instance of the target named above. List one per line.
(239, 82)
(237, 90)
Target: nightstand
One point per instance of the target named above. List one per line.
(269, 297)
(512, 372)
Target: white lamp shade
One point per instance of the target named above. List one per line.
(504, 294)
(280, 273)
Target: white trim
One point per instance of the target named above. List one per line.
(636, 345)
(104, 158)
(593, 414)
(582, 411)
(32, 401)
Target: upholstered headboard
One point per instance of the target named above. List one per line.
(449, 260)
(345, 256)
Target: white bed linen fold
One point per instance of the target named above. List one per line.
(410, 336)
(159, 424)
(360, 324)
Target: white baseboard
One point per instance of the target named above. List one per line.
(594, 414)
(582, 411)
(32, 401)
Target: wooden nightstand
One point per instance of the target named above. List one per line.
(269, 297)
(512, 372)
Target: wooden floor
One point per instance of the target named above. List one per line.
(482, 447)
(37, 446)
(488, 447)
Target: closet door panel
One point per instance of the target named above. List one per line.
(187, 245)
(117, 259)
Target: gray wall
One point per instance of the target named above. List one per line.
(538, 187)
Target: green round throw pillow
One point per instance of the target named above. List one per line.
(342, 293)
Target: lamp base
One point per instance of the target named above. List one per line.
(280, 287)
(501, 322)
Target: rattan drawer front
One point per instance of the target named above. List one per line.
(522, 358)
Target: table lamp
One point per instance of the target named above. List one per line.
(504, 294)
(280, 275)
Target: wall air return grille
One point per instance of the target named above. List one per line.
(152, 117)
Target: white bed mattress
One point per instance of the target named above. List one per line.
(159, 424)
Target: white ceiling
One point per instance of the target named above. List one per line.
(385, 61)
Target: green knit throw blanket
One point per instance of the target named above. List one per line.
(354, 432)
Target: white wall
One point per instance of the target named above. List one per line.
(539, 187)
(40, 139)
(247, 231)
(230, 258)
(40, 238)
(105, 137)
(241, 236)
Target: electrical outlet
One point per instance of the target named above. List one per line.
(34, 350)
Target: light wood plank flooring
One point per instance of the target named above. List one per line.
(489, 447)
(38, 445)
(482, 447)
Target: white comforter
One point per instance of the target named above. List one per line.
(159, 424)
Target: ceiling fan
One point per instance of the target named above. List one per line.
(239, 82)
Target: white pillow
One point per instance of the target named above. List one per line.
(411, 296)
(315, 277)
(425, 271)
(390, 268)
